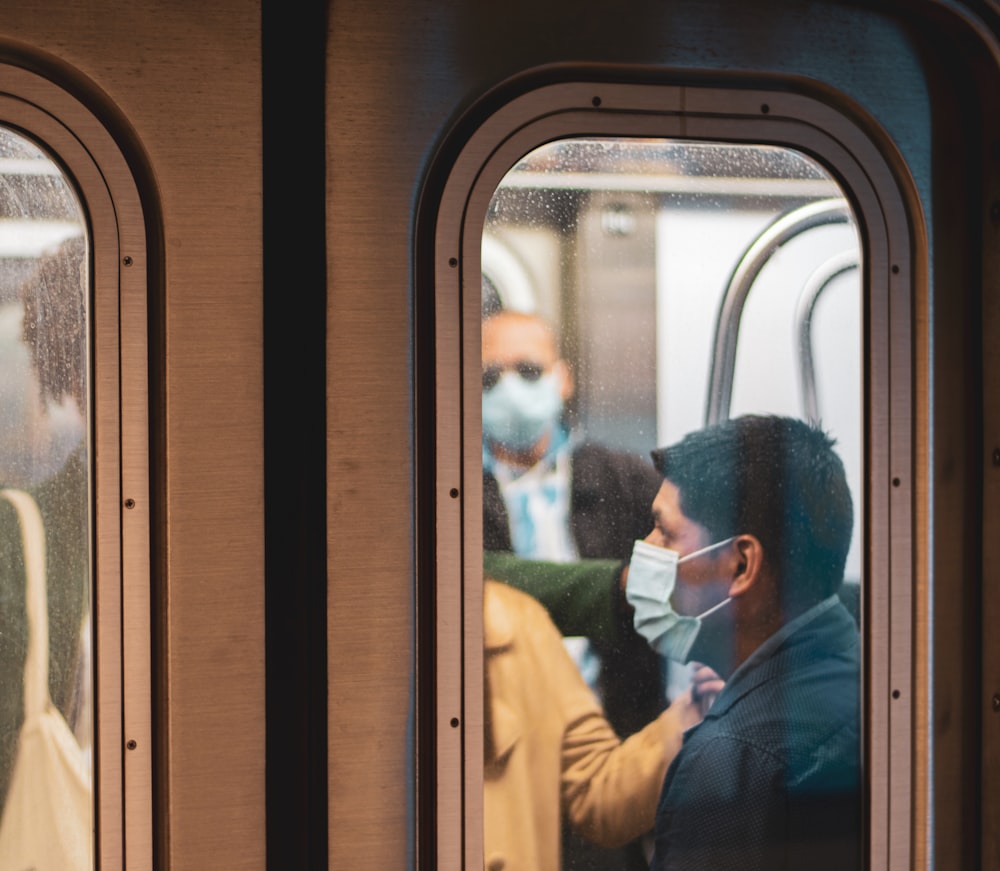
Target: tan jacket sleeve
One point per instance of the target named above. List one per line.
(610, 788)
(550, 751)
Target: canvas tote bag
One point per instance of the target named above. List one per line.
(47, 822)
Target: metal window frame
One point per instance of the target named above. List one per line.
(42, 110)
(895, 284)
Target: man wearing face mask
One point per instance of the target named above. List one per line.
(753, 522)
(550, 495)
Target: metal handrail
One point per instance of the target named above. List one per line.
(817, 284)
(784, 228)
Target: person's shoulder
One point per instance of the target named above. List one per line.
(601, 454)
(794, 701)
(508, 612)
(593, 460)
(587, 448)
(505, 596)
(721, 766)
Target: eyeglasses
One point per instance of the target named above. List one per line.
(528, 371)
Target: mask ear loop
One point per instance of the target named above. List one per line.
(702, 552)
(714, 608)
(705, 550)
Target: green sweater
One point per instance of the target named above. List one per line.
(583, 598)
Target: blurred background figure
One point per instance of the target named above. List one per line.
(548, 494)
(44, 450)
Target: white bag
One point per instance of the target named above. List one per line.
(48, 819)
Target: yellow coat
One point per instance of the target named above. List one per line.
(549, 749)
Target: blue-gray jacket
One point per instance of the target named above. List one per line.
(769, 780)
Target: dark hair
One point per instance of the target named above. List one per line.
(55, 321)
(776, 478)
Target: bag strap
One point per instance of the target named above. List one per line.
(36, 664)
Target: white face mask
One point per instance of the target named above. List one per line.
(652, 576)
(517, 413)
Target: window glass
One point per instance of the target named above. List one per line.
(44, 462)
(636, 291)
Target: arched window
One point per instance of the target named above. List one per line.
(74, 540)
(697, 254)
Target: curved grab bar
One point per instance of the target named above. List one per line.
(784, 228)
(818, 282)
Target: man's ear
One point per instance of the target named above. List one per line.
(749, 563)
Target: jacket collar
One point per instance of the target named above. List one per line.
(498, 623)
(824, 630)
(503, 725)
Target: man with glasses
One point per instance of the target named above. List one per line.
(548, 494)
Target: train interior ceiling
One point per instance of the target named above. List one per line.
(247, 250)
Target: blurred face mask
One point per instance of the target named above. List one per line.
(517, 412)
(652, 576)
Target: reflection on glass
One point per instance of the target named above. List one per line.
(44, 453)
(634, 292)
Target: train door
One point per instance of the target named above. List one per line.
(284, 212)
(678, 344)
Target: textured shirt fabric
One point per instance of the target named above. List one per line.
(537, 502)
(610, 498)
(770, 780)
